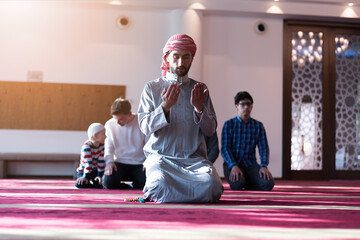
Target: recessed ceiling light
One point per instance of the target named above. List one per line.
(115, 2)
(351, 4)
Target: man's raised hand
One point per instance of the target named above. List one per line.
(170, 96)
(198, 97)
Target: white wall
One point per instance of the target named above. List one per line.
(72, 44)
(80, 43)
(238, 59)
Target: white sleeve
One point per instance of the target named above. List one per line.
(109, 144)
(151, 117)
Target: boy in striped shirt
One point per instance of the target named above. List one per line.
(92, 163)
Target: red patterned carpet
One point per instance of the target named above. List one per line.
(55, 209)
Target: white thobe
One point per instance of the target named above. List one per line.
(177, 169)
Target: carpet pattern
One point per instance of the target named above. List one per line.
(55, 209)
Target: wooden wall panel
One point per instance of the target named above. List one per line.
(55, 106)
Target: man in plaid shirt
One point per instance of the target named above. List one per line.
(240, 136)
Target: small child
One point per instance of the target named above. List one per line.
(92, 163)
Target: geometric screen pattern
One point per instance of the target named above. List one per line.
(306, 133)
(347, 102)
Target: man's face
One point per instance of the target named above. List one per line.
(244, 108)
(122, 119)
(179, 62)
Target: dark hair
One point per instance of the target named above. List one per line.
(241, 96)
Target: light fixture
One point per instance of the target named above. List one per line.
(115, 2)
(300, 34)
(306, 47)
(349, 13)
(350, 4)
(274, 10)
(341, 44)
(197, 6)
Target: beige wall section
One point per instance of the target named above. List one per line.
(55, 106)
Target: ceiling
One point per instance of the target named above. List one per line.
(336, 2)
(184, 3)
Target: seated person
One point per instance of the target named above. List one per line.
(176, 112)
(92, 164)
(240, 136)
(124, 144)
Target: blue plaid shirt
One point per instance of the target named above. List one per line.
(239, 141)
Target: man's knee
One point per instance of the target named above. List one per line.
(81, 185)
(109, 182)
(237, 185)
(270, 185)
(266, 185)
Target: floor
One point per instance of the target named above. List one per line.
(55, 209)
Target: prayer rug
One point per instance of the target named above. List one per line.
(55, 209)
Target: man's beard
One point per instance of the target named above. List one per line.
(178, 72)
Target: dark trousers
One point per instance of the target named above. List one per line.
(91, 180)
(125, 172)
(251, 179)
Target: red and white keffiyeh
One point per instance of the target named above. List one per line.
(176, 43)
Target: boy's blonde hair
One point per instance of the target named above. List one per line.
(120, 106)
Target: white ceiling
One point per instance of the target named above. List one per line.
(338, 2)
(221, 5)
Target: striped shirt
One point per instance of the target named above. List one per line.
(92, 159)
(239, 141)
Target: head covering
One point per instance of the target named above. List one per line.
(176, 43)
(94, 128)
